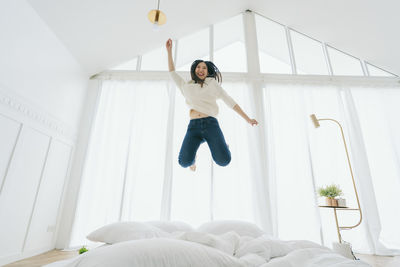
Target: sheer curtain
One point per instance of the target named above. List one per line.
(124, 168)
(132, 173)
(214, 192)
(306, 158)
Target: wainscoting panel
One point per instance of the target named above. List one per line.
(44, 220)
(35, 157)
(20, 189)
(9, 131)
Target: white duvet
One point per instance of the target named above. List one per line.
(198, 249)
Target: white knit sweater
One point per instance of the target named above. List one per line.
(203, 99)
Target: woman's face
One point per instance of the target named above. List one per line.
(201, 70)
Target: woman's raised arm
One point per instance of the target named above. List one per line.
(168, 45)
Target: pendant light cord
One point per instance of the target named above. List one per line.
(158, 5)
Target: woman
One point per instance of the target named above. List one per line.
(201, 94)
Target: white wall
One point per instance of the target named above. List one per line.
(42, 91)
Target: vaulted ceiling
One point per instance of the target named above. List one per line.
(102, 33)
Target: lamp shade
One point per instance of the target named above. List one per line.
(315, 120)
(156, 16)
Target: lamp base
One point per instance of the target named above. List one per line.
(344, 249)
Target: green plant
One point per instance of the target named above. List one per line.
(330, 191)
(83, 250)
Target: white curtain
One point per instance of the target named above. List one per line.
(306, 158)
(131, 169)
(123, 173)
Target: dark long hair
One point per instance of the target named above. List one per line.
(212, 70)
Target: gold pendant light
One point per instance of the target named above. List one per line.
(156, 16)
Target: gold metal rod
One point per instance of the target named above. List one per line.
(351, 171)
(337, 226)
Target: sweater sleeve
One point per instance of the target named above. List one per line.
(228, 100)
(178, 80)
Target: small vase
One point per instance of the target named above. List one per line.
(330, 201)
(341, 202)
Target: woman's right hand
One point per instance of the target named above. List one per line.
(168, 45)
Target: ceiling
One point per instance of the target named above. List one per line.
(102, 33)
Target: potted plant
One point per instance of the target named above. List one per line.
(83, 250)
(330, 192)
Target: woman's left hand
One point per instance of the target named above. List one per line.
(253, 122)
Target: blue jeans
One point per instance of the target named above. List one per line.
(200, 131)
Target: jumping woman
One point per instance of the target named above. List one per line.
(201, 94)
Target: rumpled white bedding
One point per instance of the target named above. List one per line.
(197, 249)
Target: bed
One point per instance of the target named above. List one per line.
(214, 244)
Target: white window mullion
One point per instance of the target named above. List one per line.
(291, 53)
(250, 35)
(139, 63)
(211, 43)
(263, 214)
(166, 199)
(327, 59)
(175, 56)
(364, 68)
(211, 52)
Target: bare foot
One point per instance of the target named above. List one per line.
(193, 167)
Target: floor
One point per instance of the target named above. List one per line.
(45, 258)
(380, 261)
(56, 255)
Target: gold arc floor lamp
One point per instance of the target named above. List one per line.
(338, 228)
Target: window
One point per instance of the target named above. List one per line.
(155, 60)
(308, 54)
(272, 47)
(375, 71)
(343, 64)
(229, 47)
(192, 47)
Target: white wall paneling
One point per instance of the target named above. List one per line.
(42, 93)
(35, 159)
(9, 133)
(44, 220)
(20, 189)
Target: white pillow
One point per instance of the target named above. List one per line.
(170, 227)
(240, 227)
(124, 231)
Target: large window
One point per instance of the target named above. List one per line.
(272, 47)
(229, 47)
(132, 173)
(192, 47)
(155, 60)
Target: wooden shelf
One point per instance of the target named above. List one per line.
(337, 207)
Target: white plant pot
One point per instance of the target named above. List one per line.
(341, 202)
